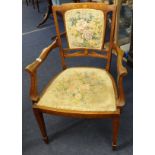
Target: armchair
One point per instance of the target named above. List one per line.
(84, 92)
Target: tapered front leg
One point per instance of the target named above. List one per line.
(41, 124)
(115, 124)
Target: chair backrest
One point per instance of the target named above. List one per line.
(85, 25)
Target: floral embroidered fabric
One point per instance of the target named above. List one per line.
(81, 89)
(84, 28)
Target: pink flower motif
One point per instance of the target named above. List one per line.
(81, 25)
(87, 35)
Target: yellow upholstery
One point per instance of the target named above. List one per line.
(84, 28)
(81, 89)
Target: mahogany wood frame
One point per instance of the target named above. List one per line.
(33, 67)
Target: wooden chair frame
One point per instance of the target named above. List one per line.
(33, 67)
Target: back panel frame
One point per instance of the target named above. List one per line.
(86, 52)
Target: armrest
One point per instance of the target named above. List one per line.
(32, 70)
(121, 71)
(34, 65)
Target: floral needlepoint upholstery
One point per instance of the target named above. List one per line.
(84, 28)
(81, 89)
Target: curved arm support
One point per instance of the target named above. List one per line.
(121, 72)
(32, 70)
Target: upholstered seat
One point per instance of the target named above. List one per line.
(81, 89)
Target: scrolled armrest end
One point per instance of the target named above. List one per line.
(122, 71)
(32, 67)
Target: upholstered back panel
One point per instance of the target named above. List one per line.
(85, 28)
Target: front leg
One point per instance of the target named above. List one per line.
(41, 124)
(115, 124)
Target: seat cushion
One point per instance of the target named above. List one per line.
(81, 89)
